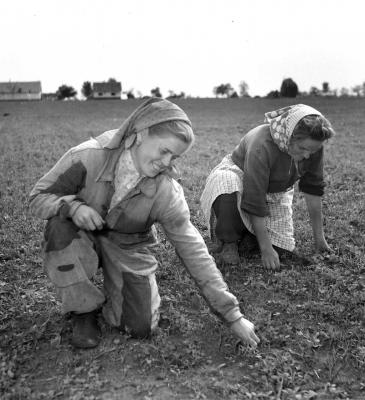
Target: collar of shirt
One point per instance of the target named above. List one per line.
(126, 177)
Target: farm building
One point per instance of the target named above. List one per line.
(107, 90)
(20, 90)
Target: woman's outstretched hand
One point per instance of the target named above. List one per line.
(245, 330)
(270, 259)
(87, 218)
(321, 246)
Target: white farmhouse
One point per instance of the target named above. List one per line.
(20, 90)
(107, 90)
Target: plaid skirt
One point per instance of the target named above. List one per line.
(227, 177)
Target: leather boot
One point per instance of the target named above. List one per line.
(85, 330)
(229, 254)
(248, 246)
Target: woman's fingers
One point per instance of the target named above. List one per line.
(90, 224)
(87, 218)
(97, 220)
(271, 263)
(254, 339)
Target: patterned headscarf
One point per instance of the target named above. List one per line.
(283, 121)
(152, 112)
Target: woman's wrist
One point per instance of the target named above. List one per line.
(319, 238)
(267, 248)
(233, 322)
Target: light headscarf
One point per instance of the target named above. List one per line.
(152, 112)
(283, 121)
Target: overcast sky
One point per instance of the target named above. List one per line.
(183, 45)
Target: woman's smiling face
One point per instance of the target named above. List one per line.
(156, 153)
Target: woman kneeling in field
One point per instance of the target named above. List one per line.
(101, 200)
(248, 196)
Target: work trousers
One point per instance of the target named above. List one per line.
(229, 227)
(130, 295)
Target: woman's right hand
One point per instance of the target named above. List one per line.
(270, 258)
(87, 218)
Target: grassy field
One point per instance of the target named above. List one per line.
(310, 318)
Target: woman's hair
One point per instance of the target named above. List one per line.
(315, 127)
(180, 129)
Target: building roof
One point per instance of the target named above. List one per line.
(20, 87)
(105, 87)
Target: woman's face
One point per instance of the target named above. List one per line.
(155, 154)
(303, 148)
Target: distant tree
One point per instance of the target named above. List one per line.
(130, 94)
(357, 90)
(234, 95)
(219, 90)
(325, 87)
(314, 91)
(344, 92)
(289, 88)
(112, 80)
(224, 89)
(65, 92)
(243, 89)
(274, 94)
(156, 92)
(173, 95)
(87, 89)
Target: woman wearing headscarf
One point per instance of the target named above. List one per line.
(248, 196)
(101, 200)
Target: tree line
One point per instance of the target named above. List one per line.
(68, 92)
(288, 88)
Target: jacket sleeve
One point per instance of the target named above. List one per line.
(173, 214)
(312, 181)
(56, 192)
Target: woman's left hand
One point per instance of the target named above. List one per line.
(245, 330)
(321, 246)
